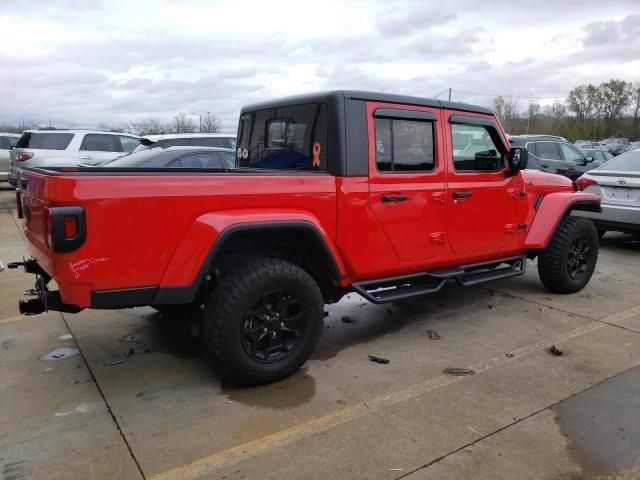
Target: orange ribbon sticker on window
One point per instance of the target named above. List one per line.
(316, 155)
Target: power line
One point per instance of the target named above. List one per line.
(504, 96)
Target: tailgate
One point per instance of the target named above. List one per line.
(50, 227)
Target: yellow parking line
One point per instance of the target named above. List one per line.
(207, 465)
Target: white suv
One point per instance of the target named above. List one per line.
(64, 148)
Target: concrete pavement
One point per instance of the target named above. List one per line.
(163, 412)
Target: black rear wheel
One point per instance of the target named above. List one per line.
(263, 320)
(568, 262)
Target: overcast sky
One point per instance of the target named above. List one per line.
(82, 62)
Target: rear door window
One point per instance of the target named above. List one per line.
(93, 142)
(12, 141)
(45, 141)
(404, 145)
(547, 150)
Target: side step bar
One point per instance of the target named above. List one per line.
(419, 284)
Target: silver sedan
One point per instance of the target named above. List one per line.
(618, 184)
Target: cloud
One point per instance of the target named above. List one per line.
(407, 18)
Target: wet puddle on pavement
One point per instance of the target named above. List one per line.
(602, 425)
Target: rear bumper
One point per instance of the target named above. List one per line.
(615, 217)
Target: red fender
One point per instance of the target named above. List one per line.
(552, 209)
(197, 242)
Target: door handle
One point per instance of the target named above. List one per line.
(544, 165)
(394, 198)
(86, 157)
(462, 194)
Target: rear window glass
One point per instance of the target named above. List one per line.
(136, 159)
(285, 138)
(12, 141)
(627, 162)
(45, 141)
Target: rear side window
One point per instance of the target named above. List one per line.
(45, 141)
(404, 145)
(474, 149)
(12, 141)
(129, 143)
(547, 150)
(284, 138)
(99, 143)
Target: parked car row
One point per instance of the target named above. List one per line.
(617, 182)
(91, 148)
(553, 154)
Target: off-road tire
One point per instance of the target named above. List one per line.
(230, 301)
(553, 261)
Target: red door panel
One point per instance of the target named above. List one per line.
(481, 198)
(409, 205)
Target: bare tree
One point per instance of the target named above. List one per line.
(553, 115)
(506, 110)
(210, 123)
(149, 126)
(184, 124)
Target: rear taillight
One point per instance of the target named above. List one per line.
(23, 156)
(66, 228)
(584, 182)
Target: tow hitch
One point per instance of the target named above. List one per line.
(45, 300)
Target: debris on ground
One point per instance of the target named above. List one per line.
(555, 350)
(326, 314)
(459, 372)
(66, 336)
(138, 351)
(508, 355)
(59, 354)
(490, 306)
(433, 335)
(118, 361)
(373, 358)
(348, 319)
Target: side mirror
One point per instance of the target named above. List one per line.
(518, 158)
(590, 159)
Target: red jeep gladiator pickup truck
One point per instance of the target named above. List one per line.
(388, 196)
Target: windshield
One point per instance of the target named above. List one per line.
(627, 162)
(45, 141)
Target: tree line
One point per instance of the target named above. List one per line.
(181, 123)
(590, 112)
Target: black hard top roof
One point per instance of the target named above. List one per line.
(330, 96)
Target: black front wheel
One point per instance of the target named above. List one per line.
(263, 320)
(568, 262)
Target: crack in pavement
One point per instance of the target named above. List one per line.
(104, 399)
(489, 435)
(586, 317)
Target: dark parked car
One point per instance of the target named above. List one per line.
(554, 155)
(598, 154)
(176, 157)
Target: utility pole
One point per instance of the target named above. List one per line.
(449, 93)
(529, 112)
(199, 121)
